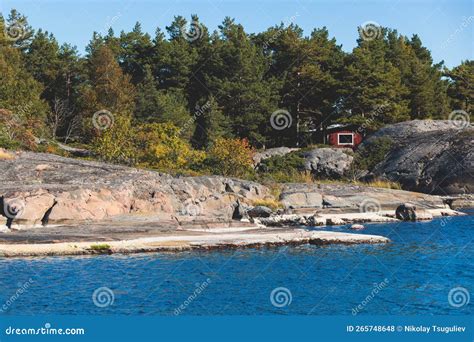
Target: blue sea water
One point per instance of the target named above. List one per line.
(427, 269)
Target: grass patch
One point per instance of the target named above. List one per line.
(384, 184)
(269, 202)
(103, 247)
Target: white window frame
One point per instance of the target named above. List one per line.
(351, 143)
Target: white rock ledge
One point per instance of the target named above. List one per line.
(258, 238)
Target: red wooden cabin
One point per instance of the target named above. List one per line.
(343, 135)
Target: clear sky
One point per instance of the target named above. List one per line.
(445, 27)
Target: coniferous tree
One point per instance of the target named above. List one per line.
(19, 92)
(211, 123)
(461, 89)
(373, 87)
(135, 52)
(237, 81)
(155, 105)
(107, 88)
(426, 90)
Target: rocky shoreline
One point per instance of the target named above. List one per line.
(51, 205)
(190, 240)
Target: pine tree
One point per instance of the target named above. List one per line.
(178, 58)
(461, 90)
(374, 93)
(154, 105)
(211, 123)
(236, 79)
(19, 91)
(426, 89)
(135, 52)
(107, 88)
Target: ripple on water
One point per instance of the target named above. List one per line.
(419, 268)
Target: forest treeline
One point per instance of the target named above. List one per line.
(174, 96)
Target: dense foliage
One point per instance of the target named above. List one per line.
(194, 99)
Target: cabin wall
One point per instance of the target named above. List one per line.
(333, 138)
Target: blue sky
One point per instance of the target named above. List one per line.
(445, 27)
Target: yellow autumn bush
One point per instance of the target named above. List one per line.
(231, 157)
(160, 146)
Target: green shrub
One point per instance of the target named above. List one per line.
(289, 163)
(231, 157)
(285, 169)
(371, 153)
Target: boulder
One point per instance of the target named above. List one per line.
(283, 220)
(328, 162)
(314, 221)
(357, 227)
(240, 211)
(301, 199)
(276, 151)
(430, 156)
(260, 211)
(406, 212)
(335, 221)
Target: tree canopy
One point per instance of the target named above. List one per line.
(222, 84)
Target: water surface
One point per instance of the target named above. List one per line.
(413, 275)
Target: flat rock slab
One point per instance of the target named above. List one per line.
(191, 240)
